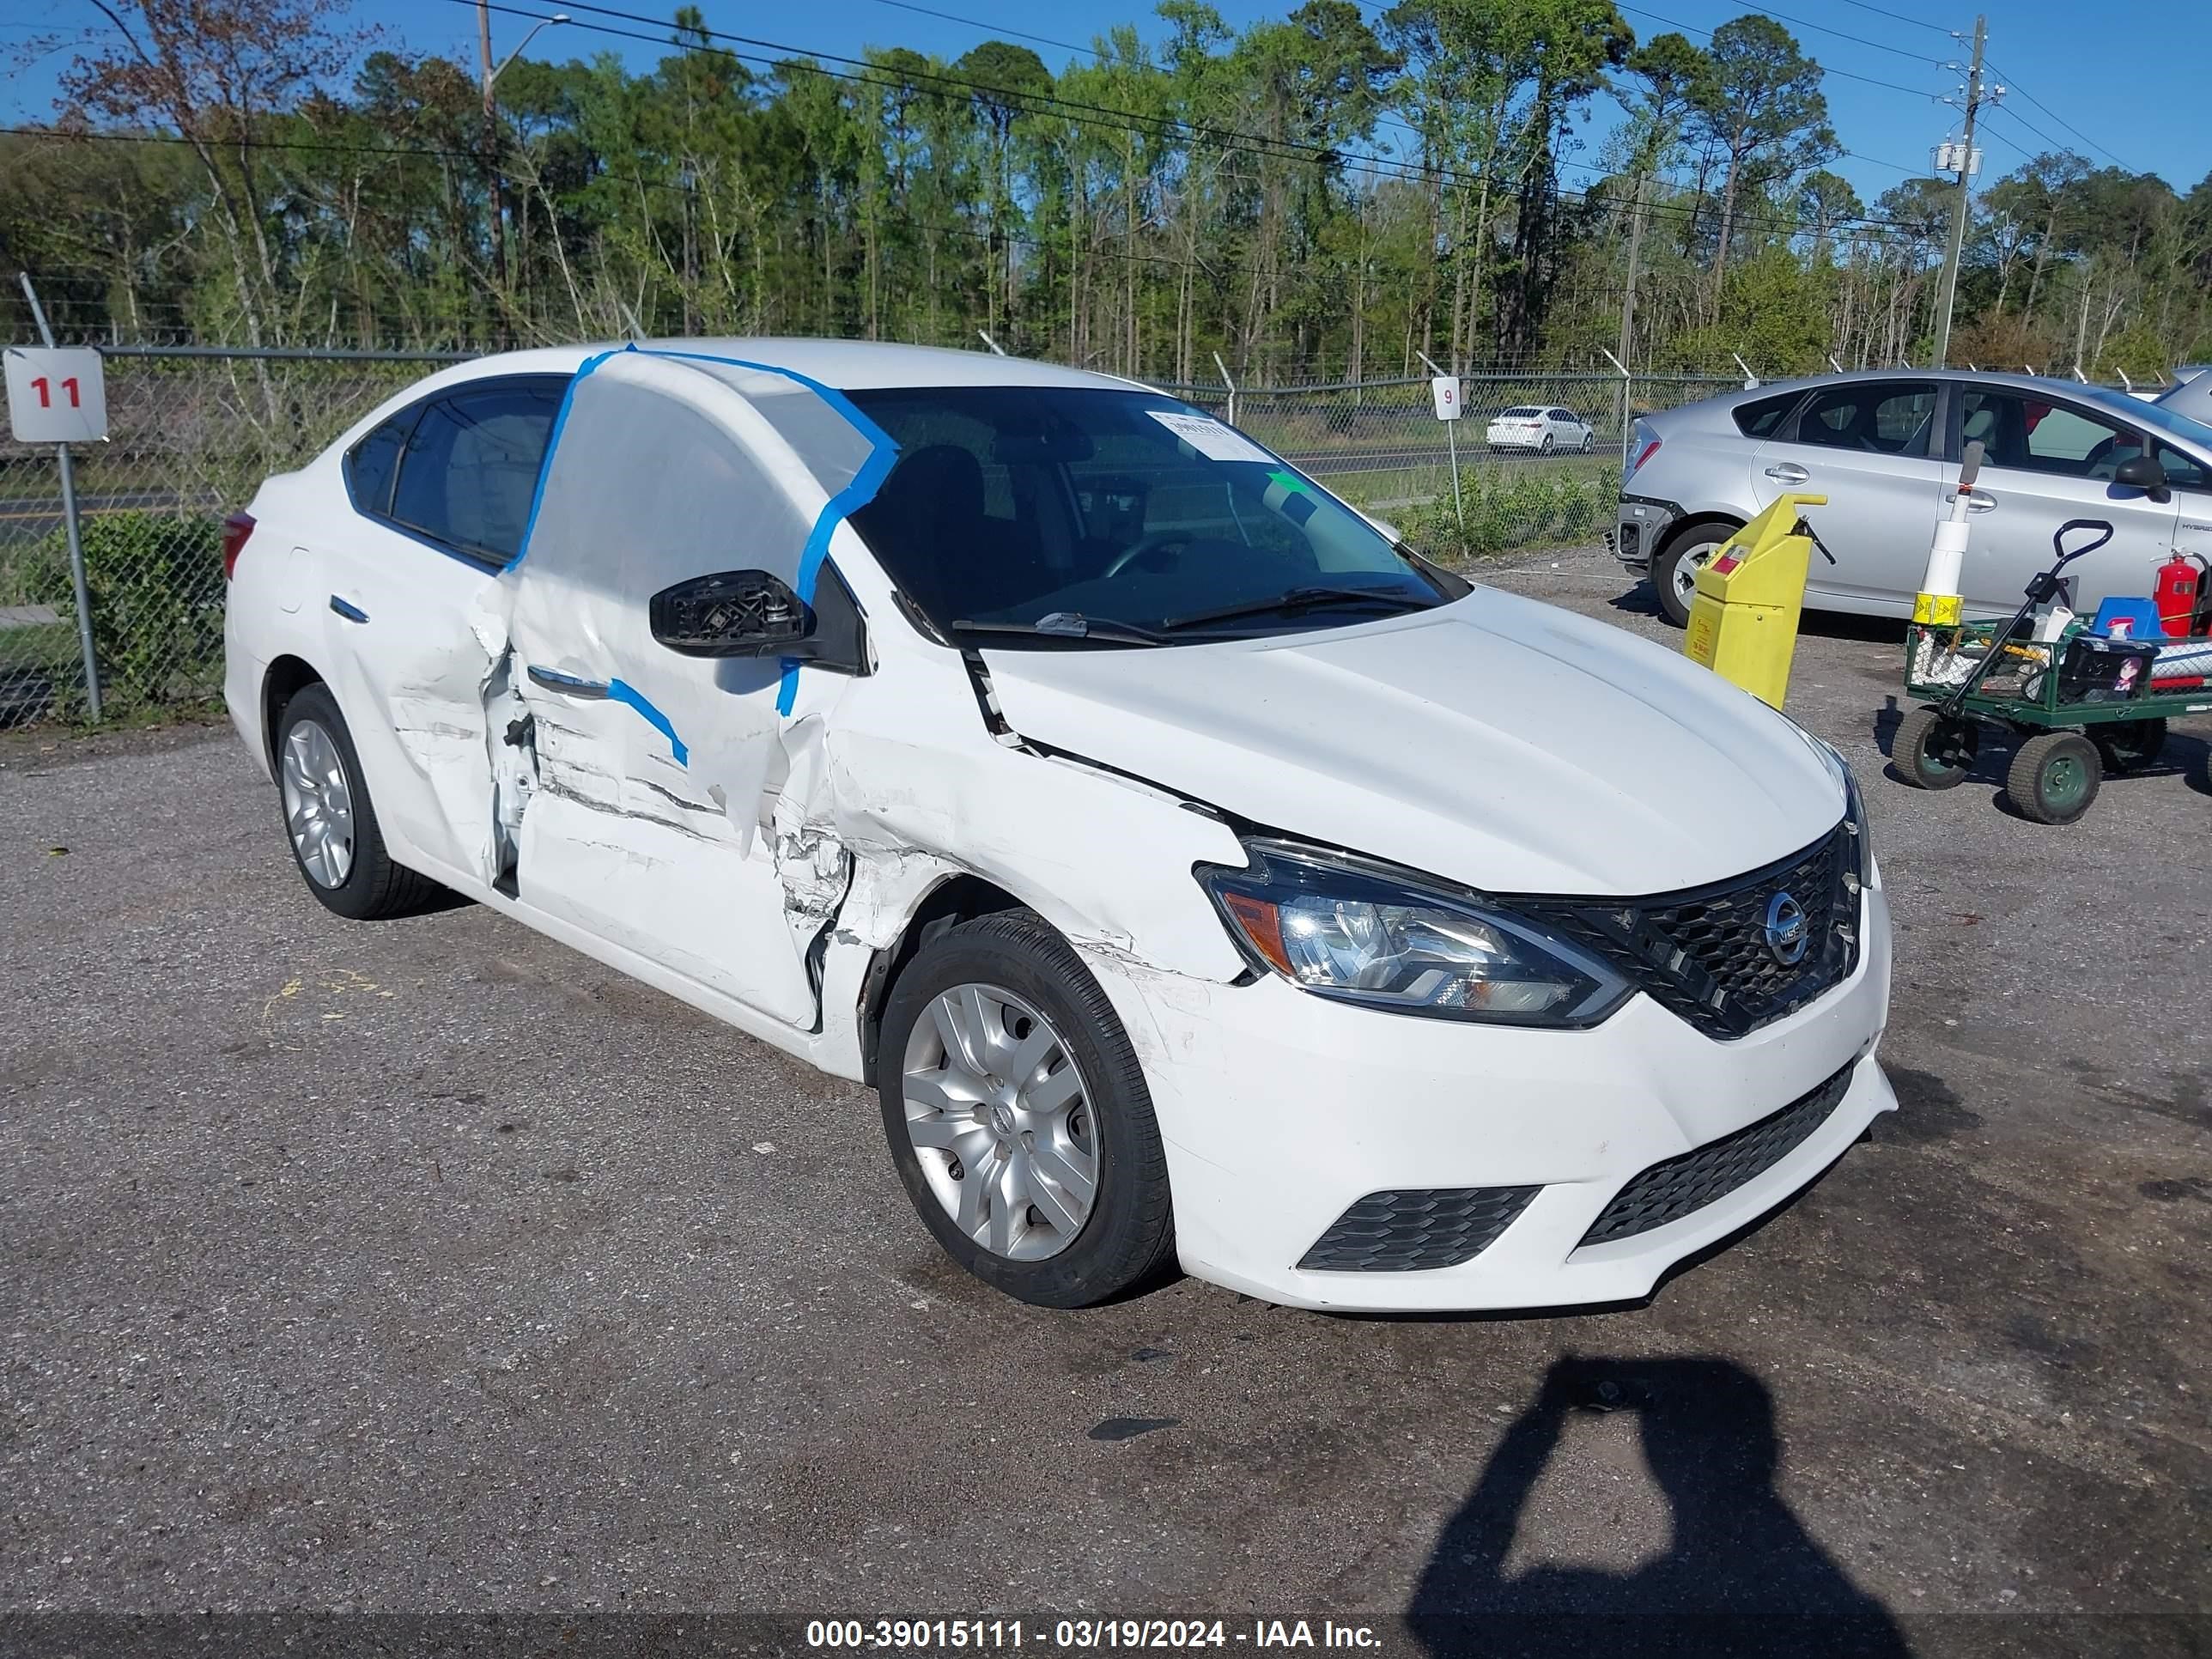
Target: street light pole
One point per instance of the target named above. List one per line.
(1959, 209)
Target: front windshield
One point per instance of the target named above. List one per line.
(2157, 414)
(1097, 512)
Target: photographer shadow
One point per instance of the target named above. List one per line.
(1742, 1574)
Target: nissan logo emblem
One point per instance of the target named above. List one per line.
(1787, 935)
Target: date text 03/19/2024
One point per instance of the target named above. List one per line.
(1078, 1635)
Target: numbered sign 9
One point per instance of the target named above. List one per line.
(55, 396)
(1445, 388)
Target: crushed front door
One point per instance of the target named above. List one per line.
(657, 800)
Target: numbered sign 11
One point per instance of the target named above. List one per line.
(55, 395)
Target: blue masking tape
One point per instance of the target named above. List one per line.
(623, 692)
(882, 456)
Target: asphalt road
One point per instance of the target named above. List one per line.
(428, 1266)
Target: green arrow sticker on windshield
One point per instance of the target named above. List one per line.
(1288, 480)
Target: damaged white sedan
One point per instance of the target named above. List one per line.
(1195, 873)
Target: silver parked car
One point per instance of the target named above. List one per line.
(1883, 448)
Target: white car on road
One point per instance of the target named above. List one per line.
(1542, 430)
(1195, 874)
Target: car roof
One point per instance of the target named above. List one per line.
(843, 365)
(2044, 383)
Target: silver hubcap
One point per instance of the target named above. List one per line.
(1686, 568)
(318, 805)
(1002, 1122)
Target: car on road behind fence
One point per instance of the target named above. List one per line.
(1885, 449)
(1196, 873)
(1542, 429)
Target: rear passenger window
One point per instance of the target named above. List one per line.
(1760, 418)
(1883, 417)
(468, 469)
(371, 463)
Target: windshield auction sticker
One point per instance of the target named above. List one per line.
(1210, 439)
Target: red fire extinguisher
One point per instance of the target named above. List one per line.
(2182, 581)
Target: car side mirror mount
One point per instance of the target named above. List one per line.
(732, 613)
(2144, 473)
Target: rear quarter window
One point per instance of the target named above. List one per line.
(1764, 416)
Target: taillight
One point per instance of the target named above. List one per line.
(1645, 451)
(235, 529)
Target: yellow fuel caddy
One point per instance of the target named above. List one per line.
(1743, 622)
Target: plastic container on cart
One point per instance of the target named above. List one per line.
(2095, 669)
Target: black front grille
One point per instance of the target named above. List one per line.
(1670, 1190)
(1428, 1227)
(1704, 954)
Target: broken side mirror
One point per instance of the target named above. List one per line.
(733, 613)
(2144, 473)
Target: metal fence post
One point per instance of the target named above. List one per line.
(1230, 384)
(1627, 384)
(77, 582)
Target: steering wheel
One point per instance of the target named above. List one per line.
(1144, 544)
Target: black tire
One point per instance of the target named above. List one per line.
(1692, 547)
(2053, 778)
(1545, 447)
(1934, 751)
(1128, 1240)
(1590, 443)
(373, 888)
(2128, 745)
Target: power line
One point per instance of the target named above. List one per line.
(1824, 69)
(2012, 85)
(867, 74)
(1898, 16)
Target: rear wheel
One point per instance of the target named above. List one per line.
(1018, 1119)
(1589, 441)
(2129, 745)
(1545, 447)
(1933, 750)
(1674, 572)
(2053, 778)
(332, 822)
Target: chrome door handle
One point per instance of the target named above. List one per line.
(568, 684)
(1788, 472)
(352, 613)
(1978, 502)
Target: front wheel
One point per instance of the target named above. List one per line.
(2054, 777)
(1933, 750)
(1590, 443)
(1018, 1119)
(1674, 572)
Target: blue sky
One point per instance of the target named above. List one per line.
(2078, 66)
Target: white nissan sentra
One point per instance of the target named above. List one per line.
(1196, 875)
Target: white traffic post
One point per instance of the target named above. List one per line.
(56, 395)
(1627, 390)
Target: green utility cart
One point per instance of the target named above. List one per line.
(2081, 705)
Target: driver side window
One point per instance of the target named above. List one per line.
(2033, 434)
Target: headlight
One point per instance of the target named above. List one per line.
(1359, 933)
(1855, 814)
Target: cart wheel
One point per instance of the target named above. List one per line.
(2054, 777)
(1933, 750)
(2129, 745)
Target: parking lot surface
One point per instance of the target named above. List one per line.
(430, 1266)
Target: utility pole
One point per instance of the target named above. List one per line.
(498, 208)
(1958, 210)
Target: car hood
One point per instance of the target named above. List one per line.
(1499, 743)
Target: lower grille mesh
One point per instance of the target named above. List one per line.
(1399, 1232)
(1678, 1186)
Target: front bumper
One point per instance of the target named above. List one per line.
(1281, 1110)
(1639, 527)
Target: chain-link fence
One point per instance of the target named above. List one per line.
(193, 429)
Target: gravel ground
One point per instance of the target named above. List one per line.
(430, 1267)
